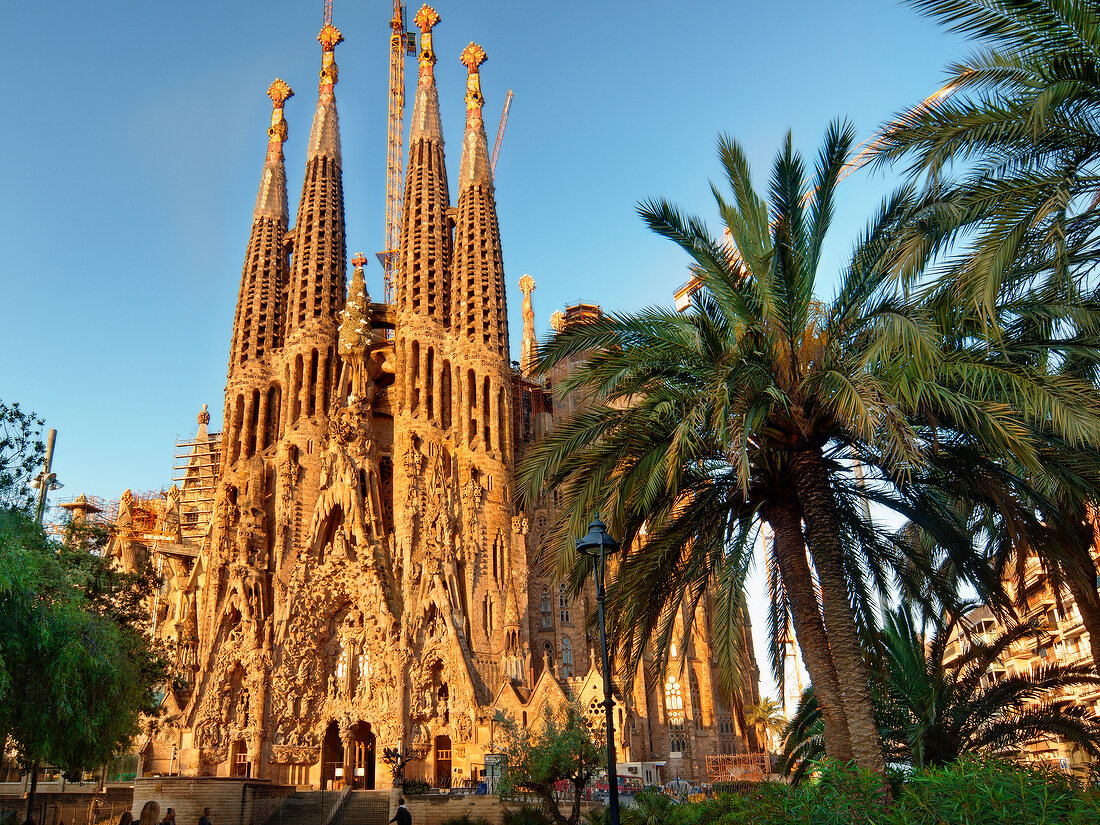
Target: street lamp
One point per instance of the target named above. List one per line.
(598, 544)
(45, 480)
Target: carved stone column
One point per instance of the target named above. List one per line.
(346, 740)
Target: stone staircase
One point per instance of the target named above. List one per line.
(305, 808)
(364, 808)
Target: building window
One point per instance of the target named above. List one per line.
(548, 651)
(547, 609)
(674, 705)
(566, 658)
(563, 603)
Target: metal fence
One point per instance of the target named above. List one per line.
(96, 812)
(267, 801)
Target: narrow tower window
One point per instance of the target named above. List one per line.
(566, 658)
(445, 396)
(311, 407)
(547, 609)
(296, 391)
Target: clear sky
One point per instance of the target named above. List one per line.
(136, 134)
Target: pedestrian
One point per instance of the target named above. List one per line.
(169, 818)
(150, 813)
(206, 818)
(127, 818)
(402, 817)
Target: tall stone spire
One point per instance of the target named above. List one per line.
(475, 148)
(423, 276)
(256, 326)
(528, 351)
(480, 313)
(316, 289)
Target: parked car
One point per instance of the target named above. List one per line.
(628, 786)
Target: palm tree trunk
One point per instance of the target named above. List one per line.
(1081, 579)
(790, 554)
(823, 535)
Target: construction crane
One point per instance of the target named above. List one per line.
(402, 43)
(500, 132)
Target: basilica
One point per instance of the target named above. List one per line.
(345, 568)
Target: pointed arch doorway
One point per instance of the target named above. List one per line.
(362, 756)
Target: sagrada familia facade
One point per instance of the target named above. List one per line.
(364, 578)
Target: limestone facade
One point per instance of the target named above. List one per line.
(364, 579)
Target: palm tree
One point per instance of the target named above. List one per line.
(768, 719)
(1011, 150)
(748, 409)
(937, 697)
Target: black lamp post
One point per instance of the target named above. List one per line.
(598, 544)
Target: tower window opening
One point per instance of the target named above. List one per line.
(274, 402)
(502, 417)
(311, 408)
(445, 396)
(563, 603)
(547, 609)
(487, 404)
(414, 402)
(238, 422)
(566, 658)
(253, 418)
(429, 378)
(472, 389)
(326, 390)
(296, 391)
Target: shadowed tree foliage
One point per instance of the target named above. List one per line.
(931, 711)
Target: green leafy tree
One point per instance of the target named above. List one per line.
(21, 454)
(77, 670)
(559, 748)
(934, 704)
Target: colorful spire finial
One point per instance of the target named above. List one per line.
(425, 20)
(359, 261)
(329, 37)
(472, 57)
(279, 92)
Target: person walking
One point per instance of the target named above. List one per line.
(206, 818)
(402, 817)
(150, 813)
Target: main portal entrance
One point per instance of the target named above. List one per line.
(363, 742)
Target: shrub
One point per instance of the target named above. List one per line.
(525, 815)
(465, 819)
(415, 787)
(975, 791)
(971, 791)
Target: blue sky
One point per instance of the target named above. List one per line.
(136, 134)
